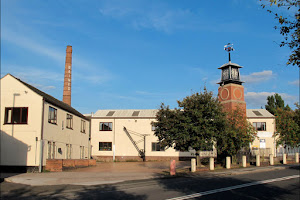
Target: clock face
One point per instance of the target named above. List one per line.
(225, 74)
(234, 73)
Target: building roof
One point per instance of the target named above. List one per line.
(259, 113)
(151, 113)
(136, 113)
(50, 99)
(230, 64)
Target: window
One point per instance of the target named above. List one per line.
(52, 115)
(259, 126)
(69, 121)
(105, 126)
(104, 146)
(16, 115)
(82, 129)
(153, 128)
(157, 147)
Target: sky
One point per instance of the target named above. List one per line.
(137, 54)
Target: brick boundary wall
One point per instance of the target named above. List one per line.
(57, 165)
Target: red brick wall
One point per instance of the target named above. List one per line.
(69, 163)
(81, 162)
(54, 165)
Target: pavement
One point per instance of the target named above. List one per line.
(110, 173)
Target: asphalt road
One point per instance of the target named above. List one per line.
(278, 184)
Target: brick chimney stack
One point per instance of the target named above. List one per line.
(68, 76)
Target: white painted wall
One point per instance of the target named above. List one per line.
(123, 145)
(18, 142)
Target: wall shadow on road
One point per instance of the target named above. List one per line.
(204, 183)
(62, 192)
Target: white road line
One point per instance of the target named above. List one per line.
(233, 187)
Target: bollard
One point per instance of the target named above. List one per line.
(284, 159)
(211, 164)
(228, 162)
(244, 161)
(297, 157)
(193, 165)
(271, 159)
(172, 167)
(257, 160)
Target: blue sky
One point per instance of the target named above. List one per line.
(135, 54)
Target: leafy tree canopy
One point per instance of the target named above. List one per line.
(193, 125)
(289, 26)
(199, 123)
(274, 102)
(288, 127)
(239, 134)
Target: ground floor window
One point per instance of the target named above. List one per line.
(105, 146)
(156, 147)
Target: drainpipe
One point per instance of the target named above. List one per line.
(41, 141)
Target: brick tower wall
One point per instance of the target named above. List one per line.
(68, 76)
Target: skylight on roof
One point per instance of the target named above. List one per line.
(257, 113)
(135, 113)
(110, 113)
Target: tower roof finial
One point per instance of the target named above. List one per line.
(229, 47)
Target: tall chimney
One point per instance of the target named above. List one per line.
(68, 76)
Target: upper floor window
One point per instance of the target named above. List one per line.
(52, 115)
(259, 126)
(153, 128)
(105, 126)
(16, 115)
(82, 129)
(69, 121)
(156, 147)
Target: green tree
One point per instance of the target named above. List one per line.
(289, 27)
(287, 127)
(200, 122)
(193, 125)
(274, 102)
(239, 134)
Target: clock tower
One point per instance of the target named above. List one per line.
(231, 91)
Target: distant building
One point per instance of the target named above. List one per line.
(35, 126)
(128, 135)
(124, 135)
(264, 123)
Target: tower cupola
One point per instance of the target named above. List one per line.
(230, 71)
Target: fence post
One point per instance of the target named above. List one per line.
(211, 163)
(271, 159)
(284, 159)
(193, 165)
(297, 157)
(244, 161)
(228, 162)
(257, 160)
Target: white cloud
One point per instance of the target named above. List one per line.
(157, 17)
(296, 83)
(257, 77)
(259, 99)
(30, 44)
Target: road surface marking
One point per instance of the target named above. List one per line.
(233, 187)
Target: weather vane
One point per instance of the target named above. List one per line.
(229, 47)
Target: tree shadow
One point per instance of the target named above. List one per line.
(62, 192)
(204, 183)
